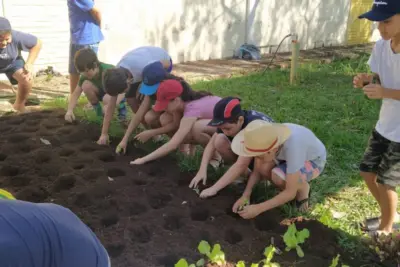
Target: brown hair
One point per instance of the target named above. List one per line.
(188, 93)
(84, 59)
(115, 81)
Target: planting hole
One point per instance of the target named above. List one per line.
(93, 174)
(64, 182)
(78, 166)
(16, 121)
(33, 194)
(106, 157)
(199, 214)
(137, 208)
(114, 250)
(42, 157)
(3, 157)
(82, 200)
(139, 182)
(172, 222)
(115, 172)
(20, 181)
(89, 148)
(31, 129)
(51, 126)
(66, 152)
(109, 219)
(141, 235)
(9, 171)
(17, 138)
(65, 131)
(233, 237)
(159, 201)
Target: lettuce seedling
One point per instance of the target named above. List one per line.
(246, 203)
(216, 255)
(183, 263)
(294, 238)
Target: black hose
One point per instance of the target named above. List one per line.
(273, 57)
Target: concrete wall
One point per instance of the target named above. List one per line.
(188, 29)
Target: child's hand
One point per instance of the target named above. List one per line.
(209, 192)
(374, 91)
(103, 140)
(250, 212)
(139, 161)
(361, 79)
(121, 148)
(69, 116)
(239, 203)
(197, 179)
(144, 136)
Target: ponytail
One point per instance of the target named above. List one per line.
(188, 93)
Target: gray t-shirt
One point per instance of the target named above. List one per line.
(137, 59)
(301, 146)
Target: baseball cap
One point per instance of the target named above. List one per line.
(152, 75)
(168, 90)
(225, 110)
(382, 10)
(5, 24)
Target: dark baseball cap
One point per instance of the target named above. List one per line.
(153, 74)
(226, 110)
(5, 24)
(382, 10)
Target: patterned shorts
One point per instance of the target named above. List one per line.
(311, 170)
(382, 157)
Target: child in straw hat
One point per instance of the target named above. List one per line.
(289, 155)
(229, 118)
(380, 166)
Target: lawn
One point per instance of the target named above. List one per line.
(325, 101)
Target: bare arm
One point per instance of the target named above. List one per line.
(238, 168)
(178, 138)
(74, 98)
(253, 180)
(96, 14)
(391, 93)
(108, 115)
(135, 121)
(292, 186)
(34, 52)
(207, 155)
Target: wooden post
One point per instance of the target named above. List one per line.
(294, 61)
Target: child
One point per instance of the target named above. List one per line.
(230, 119)
(196, 107)
(46, 234)
(13, 65)
(380, 167)
(289, 155)
(148, 64)
(90, 82)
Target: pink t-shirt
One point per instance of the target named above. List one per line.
(202, 108)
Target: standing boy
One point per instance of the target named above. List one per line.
(13, 65)
(85, 31)
(380, 167)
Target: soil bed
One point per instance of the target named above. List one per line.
(145, 215)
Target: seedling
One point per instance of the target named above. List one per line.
(197, 190)
(184, 263)
(269, 254)
(216, 255)
(245, 203)
(294, 238)
(335, 262)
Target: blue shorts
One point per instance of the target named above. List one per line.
(18, 64)
(73, 48)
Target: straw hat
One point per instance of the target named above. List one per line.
(259, 137)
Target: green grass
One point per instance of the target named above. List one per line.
(325, 101)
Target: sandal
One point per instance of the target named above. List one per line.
(216, 163)
(372, 224)
(298, 203)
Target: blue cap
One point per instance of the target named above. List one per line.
(153, 74)
(382, 10)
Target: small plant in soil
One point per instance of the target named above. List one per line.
(387, 247)
(184, 263)
(215, 256)
(294, 238)
(335, 262)
(269, 254)
(246, 203)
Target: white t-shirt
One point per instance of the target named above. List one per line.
(137, 59)
(301, 146)
(386, 64)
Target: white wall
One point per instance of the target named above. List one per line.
(188, 29)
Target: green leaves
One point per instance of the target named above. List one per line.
(293, 238)
(240, 264)
(216, 256)
(204, 248)
(183, 263)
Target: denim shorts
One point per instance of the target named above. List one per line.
(311, 169)
(73, 48)
(18, 64)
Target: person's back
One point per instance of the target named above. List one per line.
(46, 235)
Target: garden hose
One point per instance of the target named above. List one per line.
(273, 57)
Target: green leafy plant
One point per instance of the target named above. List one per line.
(269, 254)
(387, 247)
(294, 238)
(216, 255)
(335, 262)
(184, 263)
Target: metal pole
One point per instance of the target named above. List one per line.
(294, 61)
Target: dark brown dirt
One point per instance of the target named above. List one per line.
(146, 216)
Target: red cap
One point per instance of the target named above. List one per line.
(168, 90)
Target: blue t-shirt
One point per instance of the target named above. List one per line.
(19, 42)
(249, 116)
(84, 29)
(46, 235)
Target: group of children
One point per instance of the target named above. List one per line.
(286, 154)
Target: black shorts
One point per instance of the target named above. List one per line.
(18, 64)
(382, 157)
